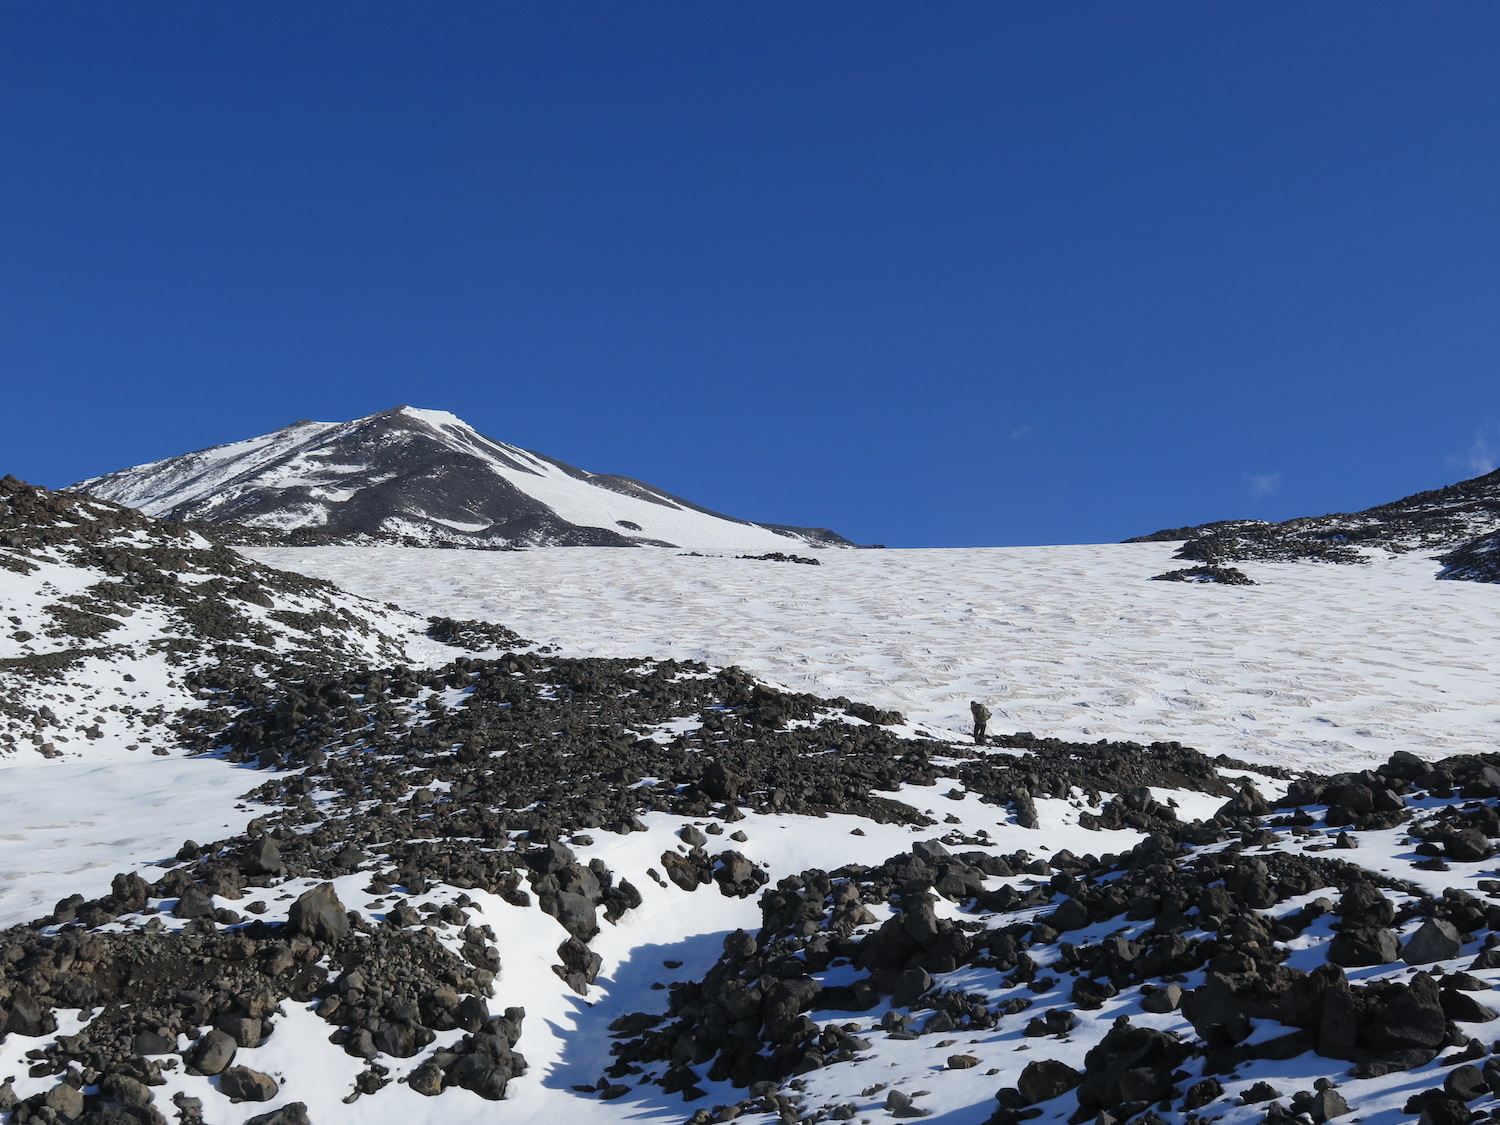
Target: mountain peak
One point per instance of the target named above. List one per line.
(426, 477)
(416, 414)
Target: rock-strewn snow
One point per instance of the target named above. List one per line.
(1427, 521)
(107, 615)
(1315, 666)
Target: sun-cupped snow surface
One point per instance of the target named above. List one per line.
(70, 826)
(1316, 666)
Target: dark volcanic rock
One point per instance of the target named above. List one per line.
(1208, 573)
(1435, 940)
(244, 1084)
(1363, 945)
(318, 914)
(213, 1052)
(1131, 1064)
(1045, 1079)
(293, 1113)
(1478, 560)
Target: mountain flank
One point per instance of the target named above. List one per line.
(424, 478)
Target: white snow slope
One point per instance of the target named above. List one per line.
(1320, 667)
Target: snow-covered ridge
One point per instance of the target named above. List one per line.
(425, 477)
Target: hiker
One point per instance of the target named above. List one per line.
(981, 717)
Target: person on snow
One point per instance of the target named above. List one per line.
(981, 719)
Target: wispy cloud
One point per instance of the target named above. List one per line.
(1483, 454)
(1262, 484)
(1018, 432)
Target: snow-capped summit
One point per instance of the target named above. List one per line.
(425, 476)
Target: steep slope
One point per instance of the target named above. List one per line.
(1441, 518)
(113, 621)
(424, 477)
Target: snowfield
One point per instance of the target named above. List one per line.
(1318, 666)
(70, 825)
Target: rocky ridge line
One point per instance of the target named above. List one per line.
(1458, 517)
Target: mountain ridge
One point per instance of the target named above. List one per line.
(425, 477)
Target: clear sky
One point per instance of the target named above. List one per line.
(947, 273)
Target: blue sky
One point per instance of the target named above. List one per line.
(930, 274)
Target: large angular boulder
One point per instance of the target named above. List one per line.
(319, 915)
(1435, 940)
(1364, 905)
(1045, 1079)
(1130, 1065)
(1355, 946)
(262, 857)
(246, 1085)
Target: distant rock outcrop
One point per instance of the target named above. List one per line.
(1478, 560)
(1465, 516)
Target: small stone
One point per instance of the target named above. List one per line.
(1201, 1093)
(427, 1079)
(1162, 1000)
(1260, 1092)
